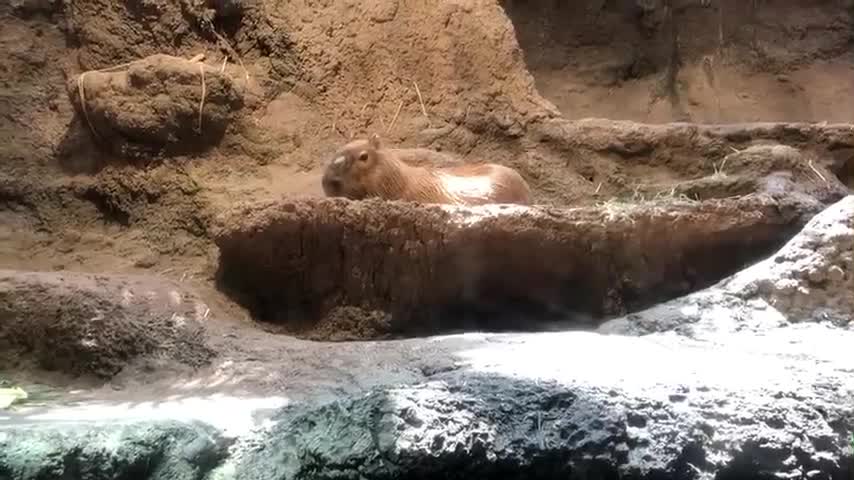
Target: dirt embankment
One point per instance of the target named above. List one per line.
(719, 61)
(630, 214)
(425, 269)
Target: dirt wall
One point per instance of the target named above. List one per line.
(432, 268)
(673, 60)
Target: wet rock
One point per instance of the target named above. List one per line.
(513, 420)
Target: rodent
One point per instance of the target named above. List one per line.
(363, 169)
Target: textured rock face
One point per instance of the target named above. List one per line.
(752, 395)
(166, 450)
(97, 324)
(560, 425)
(293, 262)
(811, 279)
(725, 383)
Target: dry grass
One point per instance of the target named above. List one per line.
(815, 170)
(719, 171)
(396, 113)
(623, 208)
(421, 101)
(204, 91)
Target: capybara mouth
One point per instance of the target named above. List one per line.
(332, 187)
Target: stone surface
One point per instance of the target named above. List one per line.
(546, 406)
(166, 450)
(719, 384)
(811, 279)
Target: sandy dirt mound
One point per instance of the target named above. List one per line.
(313, 74)
(472, 75)
(134, 216)
(160, 104)
(98, 324)
(293, 261)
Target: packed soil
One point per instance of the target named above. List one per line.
(125, 171)
(723, 61)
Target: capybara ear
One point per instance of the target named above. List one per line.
(375, 141)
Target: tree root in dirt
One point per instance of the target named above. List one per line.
(435, 268)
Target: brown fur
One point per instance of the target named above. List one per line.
(363, 169)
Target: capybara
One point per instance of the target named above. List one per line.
(364, 168)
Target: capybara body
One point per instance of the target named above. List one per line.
(363, 169)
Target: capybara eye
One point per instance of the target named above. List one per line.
(363, 156)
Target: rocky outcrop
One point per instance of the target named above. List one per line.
(647, 421)
(151, 450)
(97, 324)
(295, 261)
(810, 280)
(732, 159)
(733, 385)
(751, 399)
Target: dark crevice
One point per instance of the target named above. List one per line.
(107, 207)
(845, 169)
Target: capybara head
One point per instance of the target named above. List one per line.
(352, 170)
